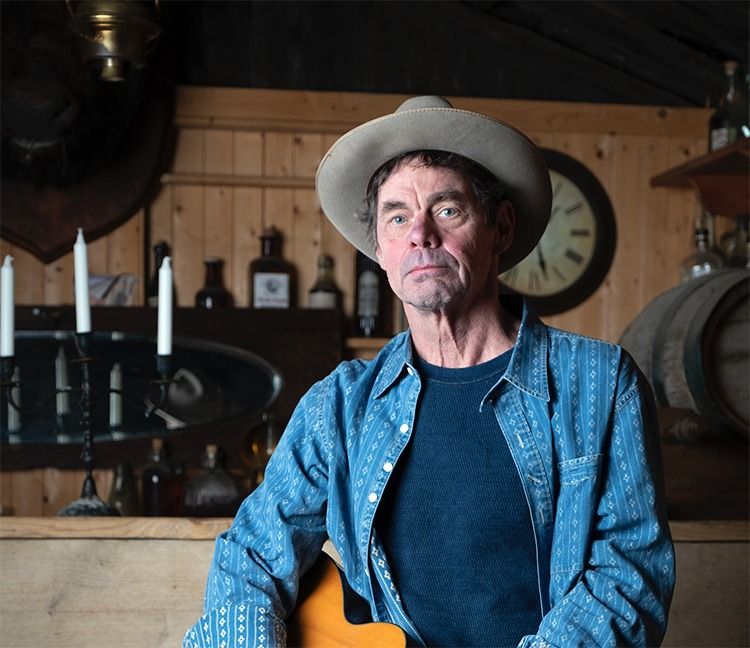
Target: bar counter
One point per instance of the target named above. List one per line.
(139, 581)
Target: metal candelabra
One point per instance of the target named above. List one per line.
(89, 503)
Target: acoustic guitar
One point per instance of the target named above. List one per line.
(319, 622)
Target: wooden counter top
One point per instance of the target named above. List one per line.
(133, 528)
(208, 528)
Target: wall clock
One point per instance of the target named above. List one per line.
(575, 252)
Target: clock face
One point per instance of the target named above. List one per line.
(575, 252)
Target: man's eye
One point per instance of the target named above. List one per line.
(448, 212)
(398, 219)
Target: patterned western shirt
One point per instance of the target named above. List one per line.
(579, 420)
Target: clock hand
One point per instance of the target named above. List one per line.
(542, 263)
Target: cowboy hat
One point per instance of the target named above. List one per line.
(431, 123)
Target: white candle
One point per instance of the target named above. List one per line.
(81, 263)
(164, 331)
(7, 323)
(62, 398)
(115, 399)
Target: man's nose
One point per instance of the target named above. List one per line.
(424, 231)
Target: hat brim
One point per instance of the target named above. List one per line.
(345, 171)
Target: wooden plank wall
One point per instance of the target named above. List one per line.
(246, 159)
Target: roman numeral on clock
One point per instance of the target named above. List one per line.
(573, 256)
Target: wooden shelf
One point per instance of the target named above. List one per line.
(722, 178)
(234, 180)
(155, 528)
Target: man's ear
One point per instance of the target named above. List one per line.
(505, 225)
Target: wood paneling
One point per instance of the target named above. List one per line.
(140, 581)
(246, 159)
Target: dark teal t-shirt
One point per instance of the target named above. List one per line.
(455, 521)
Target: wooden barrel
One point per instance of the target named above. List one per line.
(693, 344)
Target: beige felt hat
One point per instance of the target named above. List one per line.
(432, 123)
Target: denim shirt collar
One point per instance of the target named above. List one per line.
(527, 369)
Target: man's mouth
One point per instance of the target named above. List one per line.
(426, 269)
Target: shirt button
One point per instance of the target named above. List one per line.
(404, 427)
(372, 497)
(387, 466)
(410, 371)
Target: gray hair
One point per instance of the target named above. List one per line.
(487, 190)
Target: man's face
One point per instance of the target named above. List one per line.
(433, 242)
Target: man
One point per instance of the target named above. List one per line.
(486, 480)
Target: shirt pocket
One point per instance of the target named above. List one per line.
(574, 513)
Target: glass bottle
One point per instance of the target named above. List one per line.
(703, 260)
(213, 492)
(213, 294)
(124, 495)
(324, 292)
(158, 483)
(272, 279)
(730, 122)
(263, 444)
(372, 299)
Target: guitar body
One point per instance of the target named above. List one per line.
(319, 621)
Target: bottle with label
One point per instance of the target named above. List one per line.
(124, 495)
(324, 292)
(160, 487)
(214, 294)
(730, 121)
(272, 279)
(213, 492)
(372, 299)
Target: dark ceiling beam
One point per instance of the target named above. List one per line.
(524, 51)
(624, 43)
(685, 39)
(718, 29)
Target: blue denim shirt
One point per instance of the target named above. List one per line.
(579, 420)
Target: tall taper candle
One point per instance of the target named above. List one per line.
(81, 263)
(115, 398)
(7, 322)
(164, 331)
(62, 398)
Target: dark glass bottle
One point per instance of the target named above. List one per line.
(372, 301)
(161, 250)
(124, 494)
(160, 487)
(272, 279)
(213, 492)
(730, 121)
(324, 292)
(214, 294)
